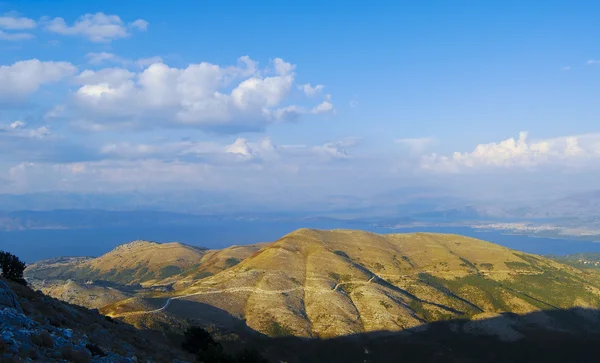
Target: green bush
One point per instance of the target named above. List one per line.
(341, 253)
(277, 330)
(168, 271)
(231, 261)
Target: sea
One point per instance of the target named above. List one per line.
(34, 245)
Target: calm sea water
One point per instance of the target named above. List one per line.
(33, 245)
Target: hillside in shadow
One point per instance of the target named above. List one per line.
(571, 335)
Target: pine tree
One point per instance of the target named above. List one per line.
(12, 268)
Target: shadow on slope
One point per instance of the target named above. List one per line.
(571, 335)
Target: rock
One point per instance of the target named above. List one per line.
(8, 299)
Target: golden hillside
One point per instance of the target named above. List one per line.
(329, 283)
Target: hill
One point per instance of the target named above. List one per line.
(135, 268)
(132, 263)
(335, 285)
(323, 284)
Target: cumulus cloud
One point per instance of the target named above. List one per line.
(14, 37)
(205, 95)
(102, 57)
(567, 151)
(309, 90)
(12, 21)
(140, 24)
(25, 77)
(99, 27)
(336, 150)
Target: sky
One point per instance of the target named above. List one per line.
(300, 99)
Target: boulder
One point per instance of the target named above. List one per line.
(8, 298)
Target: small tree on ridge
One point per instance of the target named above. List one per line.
(12, 268)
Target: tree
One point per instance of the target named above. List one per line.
(207, 350)
(12, 268)
(197, 339)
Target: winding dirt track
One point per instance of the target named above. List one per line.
(275, 292)
(243, 289)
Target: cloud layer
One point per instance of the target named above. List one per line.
(568, 151)
(203, 95)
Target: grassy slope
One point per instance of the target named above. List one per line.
(315, 283)
(331, 283)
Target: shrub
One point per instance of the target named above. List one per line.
(196, 339)
(341, 253)
(231, 261)
(12, 268)
(385, 304)
(169, 271)
(277, 330)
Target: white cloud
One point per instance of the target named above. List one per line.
(336, 150)
(97, 27)
(56, 112)
(15, 37)
(201, 95)
(323, 107)
(102, 57)
(17, 125)
(25, 77)
(566, 68)
(173, 165)
(240, 147)
(19, 129)
(309, 90)
(592, 62)
(567, 151)
(140, 24)
(12, 21)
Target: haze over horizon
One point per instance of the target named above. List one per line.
(323, 102)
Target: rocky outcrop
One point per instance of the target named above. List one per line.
(34, 327)
(8, 299)
(22, 339)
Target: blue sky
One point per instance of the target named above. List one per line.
(309, 98)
